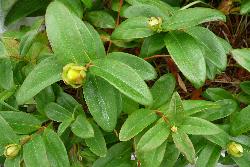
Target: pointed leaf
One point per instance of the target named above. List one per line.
(136, 122)
(171, 156)
(187, 55)
(57, 113)
(242, 56)
(82, 128)
(124, 78)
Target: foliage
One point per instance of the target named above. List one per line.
(79, 87)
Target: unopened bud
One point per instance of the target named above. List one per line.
(174, 129)
(155, 23)
(11, 150)
(74, 75)
(235, 149)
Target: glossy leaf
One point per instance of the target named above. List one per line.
(82, 128)
(55, 149)
(143, 68)
(101, 100)
(124, 78)
(216, 94)
(154, 137)
(44, 74)
(34, 153)
(136, 122)
(242, 56)
(190, 17)
(187, 55)
(132, 28)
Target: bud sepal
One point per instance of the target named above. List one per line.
(12, 150)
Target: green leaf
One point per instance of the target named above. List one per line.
(154, 157)
(55, 149)
(242, 56)
(221, 139)
(143, 68)
(190, 17)
(23, 8)
(34, 153)
(57, 113)
(67, 101)
(151, 45)
(75, 6)
(198, 126)
(162, 90)
(216, 94)
(101, 19)
(124, 78)
(88, 3)
(136, 122)
(244, 160)
(118, 155)
(16, 162)
(97, 143)
(184, 145)
(187, 55)
(70, 38)
(128, 105)
(171, 156)
(21, 122)
(44, 74)
(245, 7)
(133, 28)
(143, 10)
(245, 86)
(154, 137)
(6, 74)
(9, 134)
(209, 156)
(241, 122)
(28, 39)
(101, 100)
(63, 126)
(82, 128)
(213, 48)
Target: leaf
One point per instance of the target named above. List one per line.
(57, 113)
(154, 137)
(34, 153)
(124, 78)
(245, 86)
(136, 122)
(162, 90)
(63, 126)
(241, 123)
(67, 101)
(213, 48)
(97, 143)
(48, 71)
(74, 6)
(101, 19)
(101, 100)
(6, 74)
(221, 139)
(133, 28)
(128, 105)
(88, 3)
(82, 128)
(9, 134)
(245, 7)
(216, 94)
(143, 10)
(70, 38)
(209, 156)
(190, 17)
(21, 122)
(28, 39)
(23, 8)
(153, 157)
(171, 156)
(151, 45)
(143, 68)
(15, 162)
(198, 126)
(184, 145)
(242, 56)
(244, 160)
(55, 149)
(187, 55)
(118, 155)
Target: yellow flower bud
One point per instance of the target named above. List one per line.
(174, 129)
(11, 150)
(155, 23)
(235, 149)
(74, 75)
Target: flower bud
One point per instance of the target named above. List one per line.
(11, 150)
(235, 149)
(174, 129)
(74, 75)
(155, 23)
